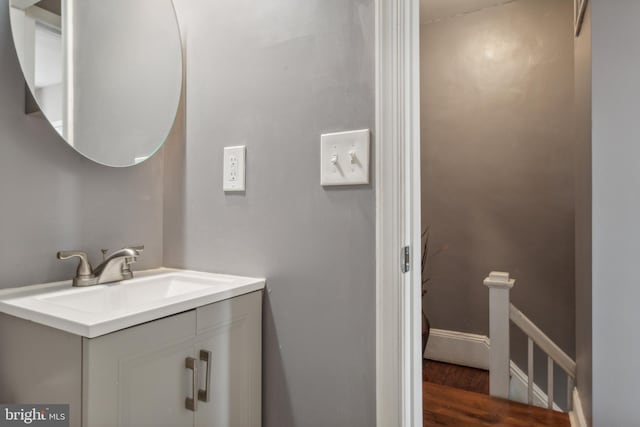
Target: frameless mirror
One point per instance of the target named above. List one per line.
(107, 74)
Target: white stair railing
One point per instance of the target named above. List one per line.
(501, 311)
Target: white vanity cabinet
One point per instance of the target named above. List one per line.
(143, 375)
(139, 376)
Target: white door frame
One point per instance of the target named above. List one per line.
(398, 308)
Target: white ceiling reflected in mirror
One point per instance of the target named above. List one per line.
(107, 74)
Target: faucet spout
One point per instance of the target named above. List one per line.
(117, 266)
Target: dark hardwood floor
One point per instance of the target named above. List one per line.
(458, 396)
(462, 377)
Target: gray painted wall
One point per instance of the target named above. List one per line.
(274, 76)
(51, 198)
(583, 213)
(498, 161)
(616, 209)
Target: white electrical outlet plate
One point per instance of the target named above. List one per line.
(234, 168)
(344, 158)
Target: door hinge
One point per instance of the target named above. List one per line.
(405, 259)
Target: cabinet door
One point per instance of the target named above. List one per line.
(232, 331)
(137, 377)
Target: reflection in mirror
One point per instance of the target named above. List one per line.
(107, 74)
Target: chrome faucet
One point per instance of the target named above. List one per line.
(114, 268)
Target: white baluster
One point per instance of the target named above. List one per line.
(569, 393)
(549, 382)
(499, 285)
(530, 373)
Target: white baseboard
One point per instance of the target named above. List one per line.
(577, 415)
(458, 348)
(472, 350)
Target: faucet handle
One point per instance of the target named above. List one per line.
(84, 268)
(138, 249)
(132, 259)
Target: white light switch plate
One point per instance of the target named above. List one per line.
(234, 168)
(344, 158)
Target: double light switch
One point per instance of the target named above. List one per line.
(345, 158)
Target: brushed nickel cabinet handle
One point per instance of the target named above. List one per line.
(191, 402)
(204, 395)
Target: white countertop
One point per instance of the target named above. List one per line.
(101, 309)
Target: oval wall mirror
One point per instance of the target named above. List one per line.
(107, 74)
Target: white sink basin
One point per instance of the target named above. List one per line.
(101, 309)
(131, 295)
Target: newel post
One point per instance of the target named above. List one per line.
(499, 285)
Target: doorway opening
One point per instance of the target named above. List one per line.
(497, 125)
